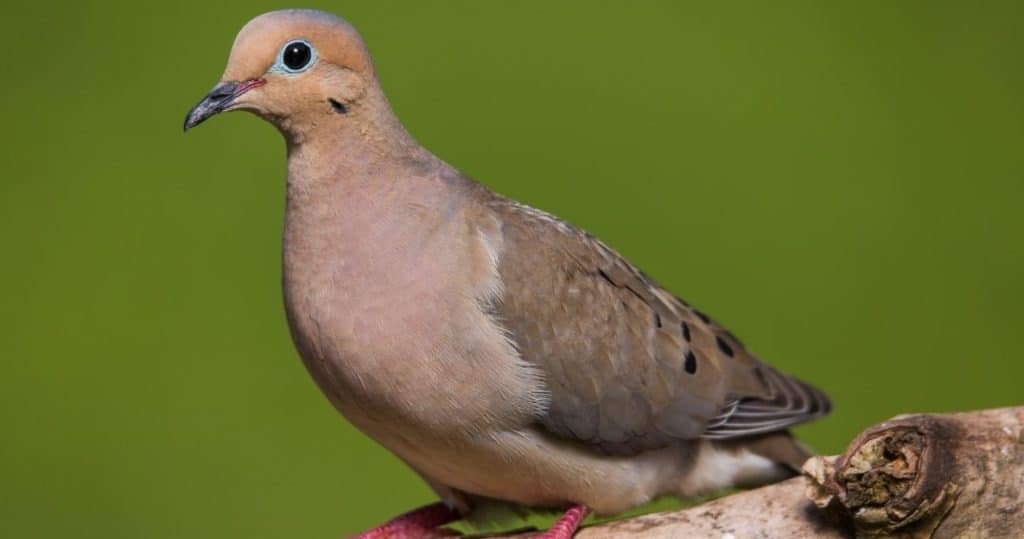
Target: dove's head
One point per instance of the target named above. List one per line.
(292, 67)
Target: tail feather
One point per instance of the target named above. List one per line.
(790, 402)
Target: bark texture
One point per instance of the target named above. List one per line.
(915, 476)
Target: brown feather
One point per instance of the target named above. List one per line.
(629, 366)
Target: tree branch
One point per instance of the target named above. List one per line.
(915, 476)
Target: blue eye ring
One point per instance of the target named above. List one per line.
(296, 56)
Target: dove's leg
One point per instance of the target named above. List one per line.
(422, 523)
(566, 526)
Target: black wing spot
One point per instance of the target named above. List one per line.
(690, 365)
(723, 346)
(657, 319)
(686, 331)
(734, 338)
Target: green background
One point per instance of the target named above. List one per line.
(839, 183)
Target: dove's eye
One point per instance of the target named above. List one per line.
(297, 56)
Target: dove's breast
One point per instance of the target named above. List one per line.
(386, 299)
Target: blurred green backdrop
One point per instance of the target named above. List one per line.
(839, 183)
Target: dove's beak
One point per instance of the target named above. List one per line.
(218, 100)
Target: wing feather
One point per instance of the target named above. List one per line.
(629, 366)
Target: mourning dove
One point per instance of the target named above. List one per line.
(501, 352)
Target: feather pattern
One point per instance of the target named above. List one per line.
(629, 366)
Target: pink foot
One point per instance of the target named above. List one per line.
(566, 526)
(422, 523)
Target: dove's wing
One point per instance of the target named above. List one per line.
(629, 366)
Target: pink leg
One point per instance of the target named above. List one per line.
(566, 526)
(422, 523)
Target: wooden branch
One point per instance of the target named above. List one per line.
(915, 476)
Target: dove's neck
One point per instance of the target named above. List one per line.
(343, 161)
(359, 136)
(364, 203)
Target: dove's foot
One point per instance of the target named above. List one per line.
(422, 523)
(566, 526)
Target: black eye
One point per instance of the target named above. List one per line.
(296, 55)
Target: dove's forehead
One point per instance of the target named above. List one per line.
(258, 43)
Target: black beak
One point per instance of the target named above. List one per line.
(218, 100)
